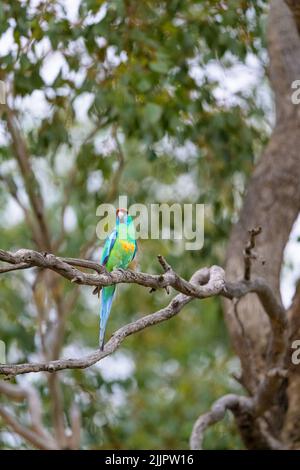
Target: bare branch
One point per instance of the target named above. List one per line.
(28, 393)
(241, 407)
(228, 402)
(65, 267)
(31, 436)
(256, 405)
(30, 181)
(16, 267)
(206, 282)
(172, 309)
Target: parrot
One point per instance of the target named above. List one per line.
(119, 250)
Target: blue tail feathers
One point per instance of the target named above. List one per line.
(107, 296)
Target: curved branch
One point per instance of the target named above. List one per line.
(31, 436)
(262, 400)
(28, 393)
(232, 402)
(206, 282)
(213, 278)
(241, 407)
(37, 435)
(118, 337)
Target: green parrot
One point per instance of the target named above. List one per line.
(118, 252)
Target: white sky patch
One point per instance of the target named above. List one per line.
(114, 58)
(95, 19)
(77, 77)
(51, 67)
(64, 160)
(233, 80)
(115, 398)
(30, 378)
(12, 440)
(101, 42)
(96, 255)
(34, 3)
(291, 270)
(3, 135)
(72, 350)
(82, 104)
(70, 219)
(7, 43)
(105, 144)
(117, 367)
(42, 47)
(95, 181)
(72, 7)
(43, 175)
(183, 188)
(183, 152)
(34, 107)
(13, 214)
(14, 353)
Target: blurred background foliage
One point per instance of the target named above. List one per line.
(130, 98)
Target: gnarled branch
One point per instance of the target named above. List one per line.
(206, 282)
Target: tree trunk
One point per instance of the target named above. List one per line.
(272, 201)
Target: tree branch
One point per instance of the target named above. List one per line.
(241, 407)
(30, 181)
(31, 436)
(38, 435)
(228, 402)
(262, 400)
(206, 282)
(118, 337)
(212, 278)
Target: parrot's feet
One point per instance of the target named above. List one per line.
(97, 291)
(121, 270)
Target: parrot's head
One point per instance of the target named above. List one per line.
(122, 216)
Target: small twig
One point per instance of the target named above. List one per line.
(164, 264)
(16, 267)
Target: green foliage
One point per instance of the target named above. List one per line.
(145, 66)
